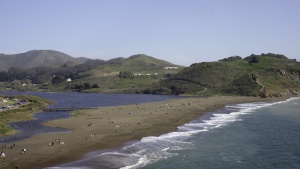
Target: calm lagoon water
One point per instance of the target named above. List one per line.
(29, 128)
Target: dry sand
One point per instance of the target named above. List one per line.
(110, 127)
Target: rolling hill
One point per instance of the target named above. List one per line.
(35, 58)
(146, 70)
(138, 64)
(265, 75)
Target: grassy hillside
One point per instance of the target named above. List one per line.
(138, 64)
(265, 75)
(37, 58)
(146, 62)
(147, 70)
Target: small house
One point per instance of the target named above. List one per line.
(170, 67)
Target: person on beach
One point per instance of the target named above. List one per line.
(2, 155)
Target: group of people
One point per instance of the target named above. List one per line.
(58, 141)
(2, 154)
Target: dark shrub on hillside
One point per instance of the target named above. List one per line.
(231, 58)
(253, 59)
(244, 85)
(87, 86)
(126, 75)
(57, 79)
(274, 55)
(95, 86)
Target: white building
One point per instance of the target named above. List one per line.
(170, 67)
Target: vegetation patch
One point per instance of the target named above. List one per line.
(19, 108)
(252, 76)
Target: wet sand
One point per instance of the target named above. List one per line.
(110, 127)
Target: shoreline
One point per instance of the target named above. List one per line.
(111, 127)
(22, 112)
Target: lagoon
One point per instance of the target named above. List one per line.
(29, 128)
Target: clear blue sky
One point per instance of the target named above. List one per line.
(179, 31)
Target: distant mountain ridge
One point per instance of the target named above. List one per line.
(35, 58)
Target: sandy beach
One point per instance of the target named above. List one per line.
(110, 127)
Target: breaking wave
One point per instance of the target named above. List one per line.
(152, 149)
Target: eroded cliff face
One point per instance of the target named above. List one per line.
(266, 92)
(282, 72)
(287, 89)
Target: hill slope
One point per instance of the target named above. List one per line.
(263, 75)
(144, 71)
(146, 62)
(36, 58)
(138, 64)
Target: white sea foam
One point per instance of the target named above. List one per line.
(142, 161)
(151, 157)
(165, 145)
(67, 168)
(152, 149)
(223, 119)
(173, 141)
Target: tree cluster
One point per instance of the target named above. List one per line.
(231, 58)
(84, 86)
(274, 55)
(40, 75)
(126, 75)
(254, 57)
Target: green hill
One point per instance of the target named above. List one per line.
(263, 75)
(145, 62)
(137, 64)
(35, 58)
(91, 76)
(146, 71)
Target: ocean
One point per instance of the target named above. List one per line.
(242, 136)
